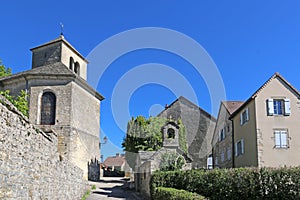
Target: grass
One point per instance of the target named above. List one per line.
(93, 187)
(87, 193)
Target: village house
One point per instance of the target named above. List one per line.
(222, 139)
(115, 165)
(265, 128)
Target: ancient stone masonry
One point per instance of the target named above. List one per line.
(30, 166)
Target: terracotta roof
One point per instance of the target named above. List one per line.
(231, 106)
(114, 161)
(254, 95)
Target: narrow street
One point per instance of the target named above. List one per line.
(114, 188)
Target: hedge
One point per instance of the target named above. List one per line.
(174, 194)
(245, 183)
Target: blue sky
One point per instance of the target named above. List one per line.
(247, 40)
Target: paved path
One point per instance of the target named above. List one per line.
(114, 189)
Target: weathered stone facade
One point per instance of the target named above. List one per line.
(199, 128)
(30, 165)
(77, 105)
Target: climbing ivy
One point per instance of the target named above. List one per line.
(20, 101)
(171, 161)
(182, 137)
(146, 135)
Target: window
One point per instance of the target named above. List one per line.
(244, 117)
(216, 162)
(229, 153)
(48, 108)
(221, 135)
(279, 107)
(239, 148)
(171, 133)
(71, 64)
(281, 138)
(222, 157)
(77, 68)
(228, 128)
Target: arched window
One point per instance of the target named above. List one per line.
(77, 68)
(171, 133)
(48, 109)
(71, 64)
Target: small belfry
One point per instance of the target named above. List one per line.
(60, 50)
(60, 100)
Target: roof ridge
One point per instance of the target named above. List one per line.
(254, 95)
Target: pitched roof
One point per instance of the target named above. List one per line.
(231, 106)
(114, 161)
(254, 95)
(185, 100)
(54, 69)
(63, 40)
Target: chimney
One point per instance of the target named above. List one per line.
(117, 155)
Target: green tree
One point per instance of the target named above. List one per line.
(146, 135)
(3, 70)
(20, 101)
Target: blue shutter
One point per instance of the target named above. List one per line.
(242, 144)
(247, 114)
(270, 107)
(287, 107)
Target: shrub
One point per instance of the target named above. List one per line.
(171, 161)
(20, 102)
(248, 183)
(174, 194)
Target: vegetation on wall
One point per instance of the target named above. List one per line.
(248, 183)
(20, 102)
(171, 161)
(182, 137)
(146, 135)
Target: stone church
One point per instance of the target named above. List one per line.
(60, 100)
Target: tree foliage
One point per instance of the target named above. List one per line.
(3, 70)
(20, 101)
(146, 135)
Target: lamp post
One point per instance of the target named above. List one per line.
(100, 143)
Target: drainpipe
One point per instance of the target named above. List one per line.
(26, 86)
(233, 146)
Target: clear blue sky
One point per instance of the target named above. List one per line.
(247, 40)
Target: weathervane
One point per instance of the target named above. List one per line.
(61, 29)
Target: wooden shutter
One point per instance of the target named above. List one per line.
(287, 107)
(247, 114)
(241, 118)
(242, 145)
(270, 103)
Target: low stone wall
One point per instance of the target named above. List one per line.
(30, 166)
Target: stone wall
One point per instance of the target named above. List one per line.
(30, 166)
(199, 128)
